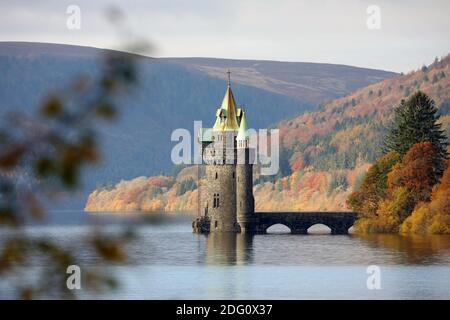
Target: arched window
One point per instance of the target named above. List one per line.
(233, 174)
(216, 200)
(217, 175)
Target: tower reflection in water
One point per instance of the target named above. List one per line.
(229, 248)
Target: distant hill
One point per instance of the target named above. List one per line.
(314, 83)
(171, 94)
(324, 156)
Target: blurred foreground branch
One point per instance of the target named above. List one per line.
(42, 156)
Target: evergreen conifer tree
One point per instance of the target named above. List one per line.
(416, 120)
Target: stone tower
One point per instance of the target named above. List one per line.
(227, 193)
(245, 203)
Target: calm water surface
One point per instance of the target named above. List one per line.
(167, 261)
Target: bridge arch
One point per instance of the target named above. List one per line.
(319, 228)
(278, 228)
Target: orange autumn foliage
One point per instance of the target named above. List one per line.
(417, 172)
(296, 162)
(432, 217)
(404, 207)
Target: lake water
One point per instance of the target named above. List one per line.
(168, 261)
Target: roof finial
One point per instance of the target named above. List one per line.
(229, 73)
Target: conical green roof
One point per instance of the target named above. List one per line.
(242, 133)
(228, 111)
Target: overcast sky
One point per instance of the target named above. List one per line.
(413, 32)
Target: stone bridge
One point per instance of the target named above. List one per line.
(299, 222)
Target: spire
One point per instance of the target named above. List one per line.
(242, 133)
(226, 115)
(229, 77)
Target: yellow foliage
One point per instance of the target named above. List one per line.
(432, 217)
(390, 214)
